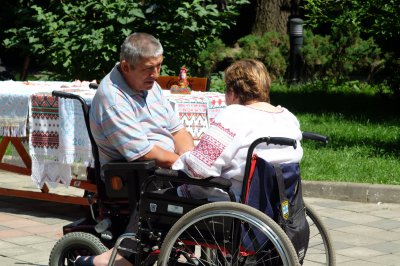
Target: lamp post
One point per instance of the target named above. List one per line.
(296, 42)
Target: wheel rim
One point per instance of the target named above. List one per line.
(319, 249)
(214, 251)
(69, 255)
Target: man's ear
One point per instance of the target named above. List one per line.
(125, 67)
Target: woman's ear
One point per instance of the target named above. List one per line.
(231, 98)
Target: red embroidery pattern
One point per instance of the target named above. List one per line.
(211, 147)
(45, 107)
(193, 172)
(226, 130)
(208, 150)
(196, 122)
(45, 139)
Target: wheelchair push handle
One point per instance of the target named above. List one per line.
(268, 140)
(282, 141)
(93, 86)
(68, 95)
(271, 140)
(315, 137)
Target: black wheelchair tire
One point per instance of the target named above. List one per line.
(241, 212)
(75, 244)
(320, 239)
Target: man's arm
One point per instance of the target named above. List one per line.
(163, 158)
(183, 141)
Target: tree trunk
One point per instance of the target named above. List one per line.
(273, 15)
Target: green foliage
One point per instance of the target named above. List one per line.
(352, 54)
(376, 18)
(186, 27)
(374, 21)
(214, 53)
(218, 83)
(317, 54)
(361, 55)
(271, 48)
(339, 56)
(77, 40)
(81, 39)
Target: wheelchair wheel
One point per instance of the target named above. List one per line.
(226, 233)
(72, 245)
(320, 248)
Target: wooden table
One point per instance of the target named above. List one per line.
(16, 105)
(58, 137)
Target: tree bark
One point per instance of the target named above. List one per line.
(273, 15)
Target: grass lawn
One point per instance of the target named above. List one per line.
(363, 131)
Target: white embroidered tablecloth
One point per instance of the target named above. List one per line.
(197, 110)
(58, 136)
(14, 99)
(58, 139)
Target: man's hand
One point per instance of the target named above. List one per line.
(183, 141)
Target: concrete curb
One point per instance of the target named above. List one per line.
(359, 192)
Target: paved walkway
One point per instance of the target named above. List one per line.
(366, 234)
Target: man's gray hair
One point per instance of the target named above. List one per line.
(140, 45)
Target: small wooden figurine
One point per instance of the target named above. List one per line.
(183, 83)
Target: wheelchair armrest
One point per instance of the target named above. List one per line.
(136, 165)
(123, 179)
(181, 177)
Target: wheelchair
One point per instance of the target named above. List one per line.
(181, 231)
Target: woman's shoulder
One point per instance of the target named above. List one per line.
(286, 112)
(230, 112)
(234, 117)
(233, 108)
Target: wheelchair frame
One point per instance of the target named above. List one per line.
(125, 189)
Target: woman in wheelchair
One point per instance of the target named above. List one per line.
(249, 115)
(223, 151)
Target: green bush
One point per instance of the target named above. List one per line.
(77, 40)
(352, 55)
(376, 22)
(339, 56)
(218, 83)
(317, 54)
(373, 18)
(271, 48)
(212, 55)
(186, 27)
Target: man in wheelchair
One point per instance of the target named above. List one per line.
(131, 120)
